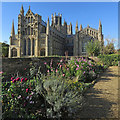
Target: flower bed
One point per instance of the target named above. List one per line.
(56, 94)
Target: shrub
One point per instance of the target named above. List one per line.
(63, 99)
(20, 99)
(110, 60)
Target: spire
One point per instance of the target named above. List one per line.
(81, 27)
(22, 10)
(99, 23)
(64, 22)
(88, 26)
(29, 7)
(47, 30)
(52, 19)
(76, 28)
(12, 30)
(100, 27)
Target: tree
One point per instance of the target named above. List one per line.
(109, 48)
(5, 48)
(93, 48)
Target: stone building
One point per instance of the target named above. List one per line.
(38, 38)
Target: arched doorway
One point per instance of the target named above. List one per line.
(14, 52)
(42, 52)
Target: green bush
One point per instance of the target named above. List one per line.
(110, 60)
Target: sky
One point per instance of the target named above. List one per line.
(83, 12)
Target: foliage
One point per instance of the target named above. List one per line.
(5, 48)
(93, 48)
(20, 99)
(110, 60)
(63, 99)
(109, 48)
(78, 69)
(55, 94)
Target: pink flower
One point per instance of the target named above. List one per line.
(56, 70)
(27, 90)
(48, 71)
(51, 69)
(60, 66)
(63, 75)
(67, 68)
(12, 78)
(25, 104)
(17, 79)
(12, 95)
(22, 80)
(45, 63)
(77, 68)
(84, 72)
(77, 65)
(26, 79)
(1, 72)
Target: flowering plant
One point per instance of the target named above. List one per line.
(19, 98)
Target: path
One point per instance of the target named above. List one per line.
(102, 99)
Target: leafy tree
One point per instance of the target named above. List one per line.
(93, 48)
(5, 48)
(109, 48)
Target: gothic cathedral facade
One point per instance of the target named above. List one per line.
(38, 38)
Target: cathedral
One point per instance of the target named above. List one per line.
(36, 37)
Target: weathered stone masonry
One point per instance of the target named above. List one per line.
(38, 38)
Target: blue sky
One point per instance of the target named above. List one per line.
(83, 12)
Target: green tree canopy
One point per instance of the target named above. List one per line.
(93, 48)
(5, 49)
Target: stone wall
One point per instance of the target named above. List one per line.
(12, 66)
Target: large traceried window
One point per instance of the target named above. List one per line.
(33, 46)
(42, 52)
(31, 31)
(24, 47)
(29, 47)
(28, 30)
(31, 19)
(84, 46)
(28, 19)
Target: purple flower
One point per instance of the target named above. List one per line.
(84, 72)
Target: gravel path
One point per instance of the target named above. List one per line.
(102, 98)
